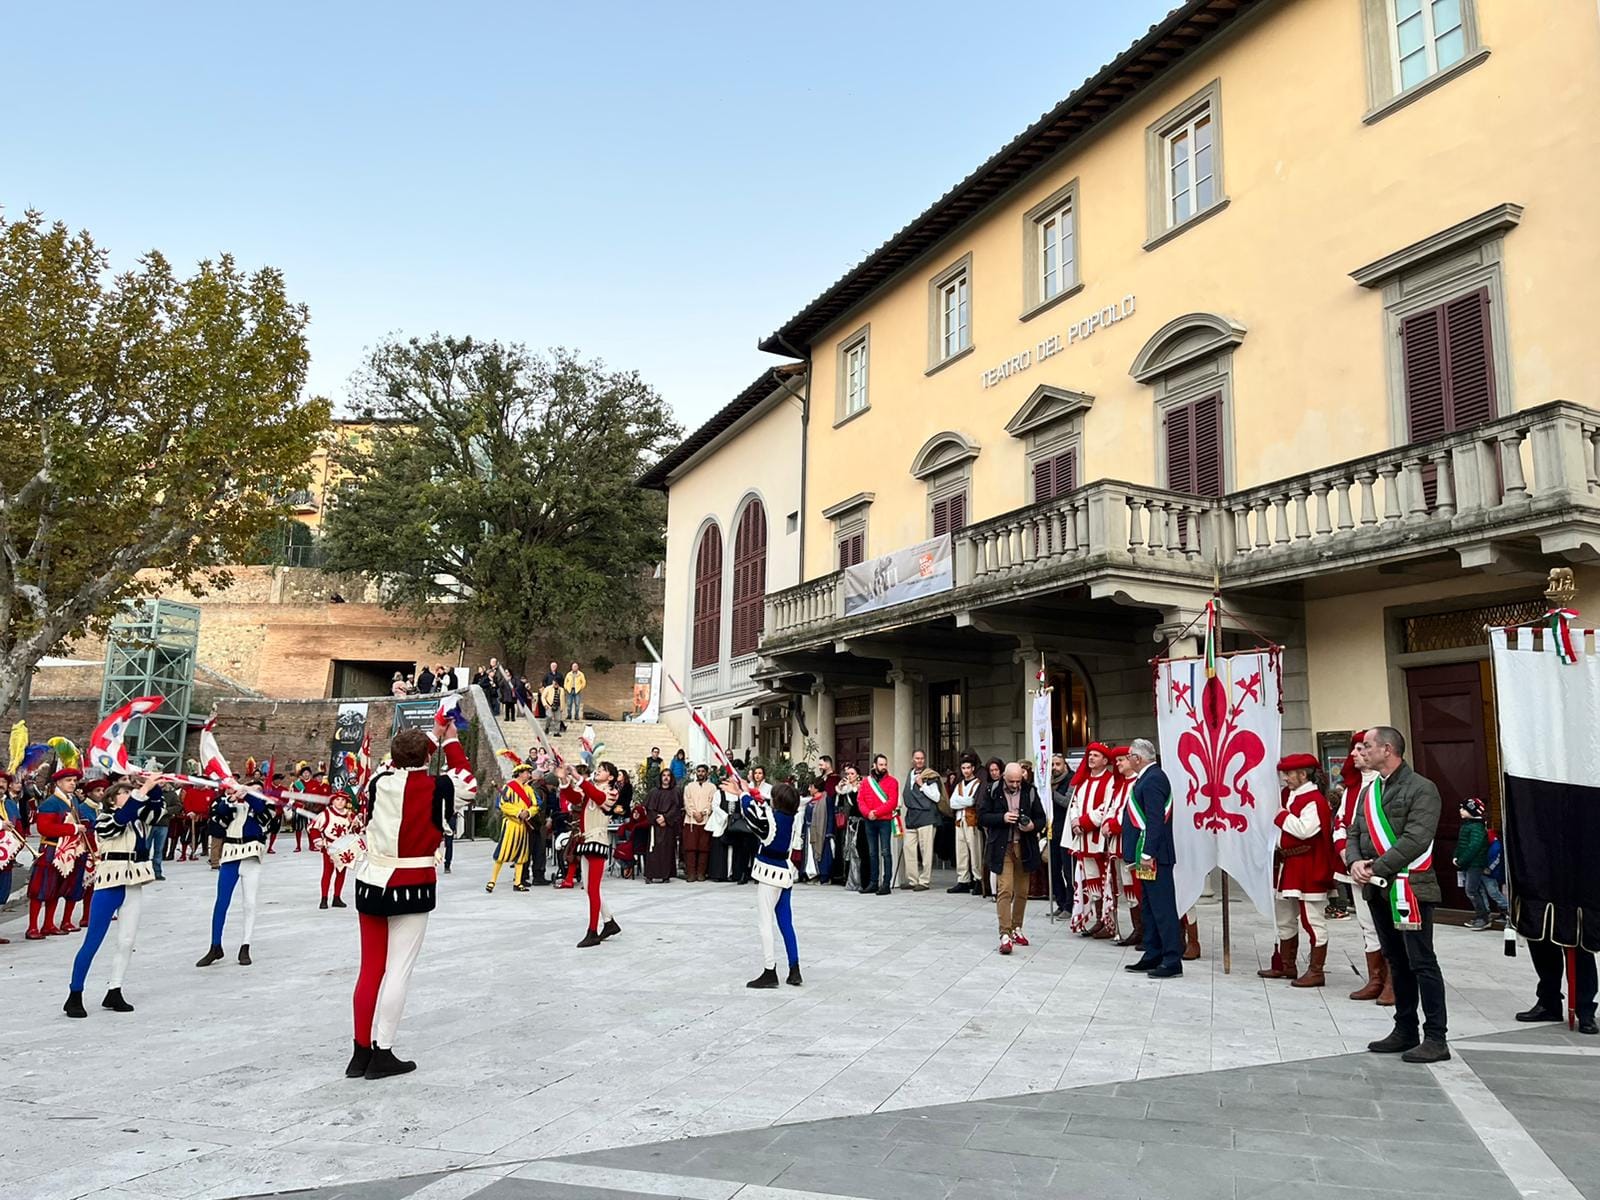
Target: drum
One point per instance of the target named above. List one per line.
(348, 850)
(68, 851)
(11, 844)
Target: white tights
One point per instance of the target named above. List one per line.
(405, 943)
(249, 886)
(127, 930)
(767, 921)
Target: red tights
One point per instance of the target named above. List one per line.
(337, 877)
(592, 876)
(374, 958)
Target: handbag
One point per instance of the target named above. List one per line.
(737, 822)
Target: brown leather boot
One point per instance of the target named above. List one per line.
(1373, 988)
(1191, 940)
(1135, 935)
(1314, 976)
(1386, 997)
(1283, 962)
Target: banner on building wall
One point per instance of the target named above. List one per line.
(1043, 742)
(647, 691)
(1547, 699)
(1220, 744)
(909, 573)
(349, 727)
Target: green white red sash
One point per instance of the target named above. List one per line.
(1136, 815)
(877, 790)
(1403, 903)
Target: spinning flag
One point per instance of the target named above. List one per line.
(106, 751)
(450, 708)
(212, 764)
(1548, 699)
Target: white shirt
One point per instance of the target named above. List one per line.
(965, 794)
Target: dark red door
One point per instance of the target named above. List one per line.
(853, 745)
(1450, 746)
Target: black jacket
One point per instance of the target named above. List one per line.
(992, 816)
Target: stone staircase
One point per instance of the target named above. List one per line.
(625, 743)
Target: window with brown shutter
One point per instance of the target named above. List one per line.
(1448, 359)
(949, 513)
(1055, 476)
(749, 578)
(1194, 447)
(852, 549)
(708, 599)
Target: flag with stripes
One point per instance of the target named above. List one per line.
(106, 750)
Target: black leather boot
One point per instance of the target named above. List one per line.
(74, 1005)
(589, 939)
(358, 1061)
(383, 1063)
(212, 955)
(244, 955)
(1398, 1041)
(609, 929)
(767, 979)
(115, 1002)
(794, 979)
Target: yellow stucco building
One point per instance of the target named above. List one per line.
(1297, 294)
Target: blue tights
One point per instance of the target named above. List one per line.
(103, 906)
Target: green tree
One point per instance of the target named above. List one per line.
(497, 494)
(148, 426)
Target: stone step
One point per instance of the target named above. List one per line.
(625, 743)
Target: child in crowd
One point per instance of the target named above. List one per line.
(1472, 860)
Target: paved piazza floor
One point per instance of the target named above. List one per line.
(915, 1062)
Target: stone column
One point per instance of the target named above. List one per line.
(1028, 657)
(822, 723)
(904, 692)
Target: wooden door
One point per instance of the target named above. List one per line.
(852, 743)
(1450, 746)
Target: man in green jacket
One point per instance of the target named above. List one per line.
(1384, 861)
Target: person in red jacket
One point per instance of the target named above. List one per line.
(590, 804)
(57, 822)
(879, 802)
(1303, 871)
(407, 812)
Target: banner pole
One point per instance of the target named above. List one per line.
(1227, 930)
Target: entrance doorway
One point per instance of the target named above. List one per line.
(1451, 710)
(1070, 710)
(944, 722)
(852, 743)
(353, 677)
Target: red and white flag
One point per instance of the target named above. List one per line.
(212, 764)
(106, 751)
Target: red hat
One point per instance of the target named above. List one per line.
(1298, 762)
(1121, 751)
(66, 773)
(1082, 773)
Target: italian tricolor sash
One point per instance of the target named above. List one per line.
(877, 790)
(1403, 904)
(1136, 815)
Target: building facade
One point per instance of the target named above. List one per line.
(735, 494)
(1292, 297)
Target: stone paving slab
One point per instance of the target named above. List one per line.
(529, 1048)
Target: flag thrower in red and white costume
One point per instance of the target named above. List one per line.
(589, 803)
(1122, 884)
(335, 830)
(1094, 795)
(407, 810)
(1302, 871)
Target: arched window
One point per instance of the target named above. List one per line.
(749, 578)
(708, 599)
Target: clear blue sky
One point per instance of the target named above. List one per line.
(655, 184)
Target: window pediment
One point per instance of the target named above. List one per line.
(942, 452)
(1045, 407)
(1182, 340)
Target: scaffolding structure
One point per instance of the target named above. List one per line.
(151, 651)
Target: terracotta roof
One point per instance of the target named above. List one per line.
(1184, 30)
(729, 415)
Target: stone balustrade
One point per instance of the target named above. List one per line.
(1517, 474)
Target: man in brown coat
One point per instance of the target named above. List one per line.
(1384, 861)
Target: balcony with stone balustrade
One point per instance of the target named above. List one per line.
(1503, 495)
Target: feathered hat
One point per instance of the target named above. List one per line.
(69, 762)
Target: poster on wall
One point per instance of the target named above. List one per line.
(647, 691)
(414, 714)
(909, 573)
(349, 727)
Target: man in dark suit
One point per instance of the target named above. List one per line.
(1149, 806)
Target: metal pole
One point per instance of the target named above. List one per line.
(1227, 930)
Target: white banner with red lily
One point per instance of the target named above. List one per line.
(1219, 738)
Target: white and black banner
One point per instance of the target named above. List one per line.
(1549, 715)
(901, 575)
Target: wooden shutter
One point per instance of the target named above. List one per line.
(1055, 476)
(852, 549)
(708, 599)
(1469, 360)
(949, 514)
(1447, 356)
(749, 578)
(1194, 447)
